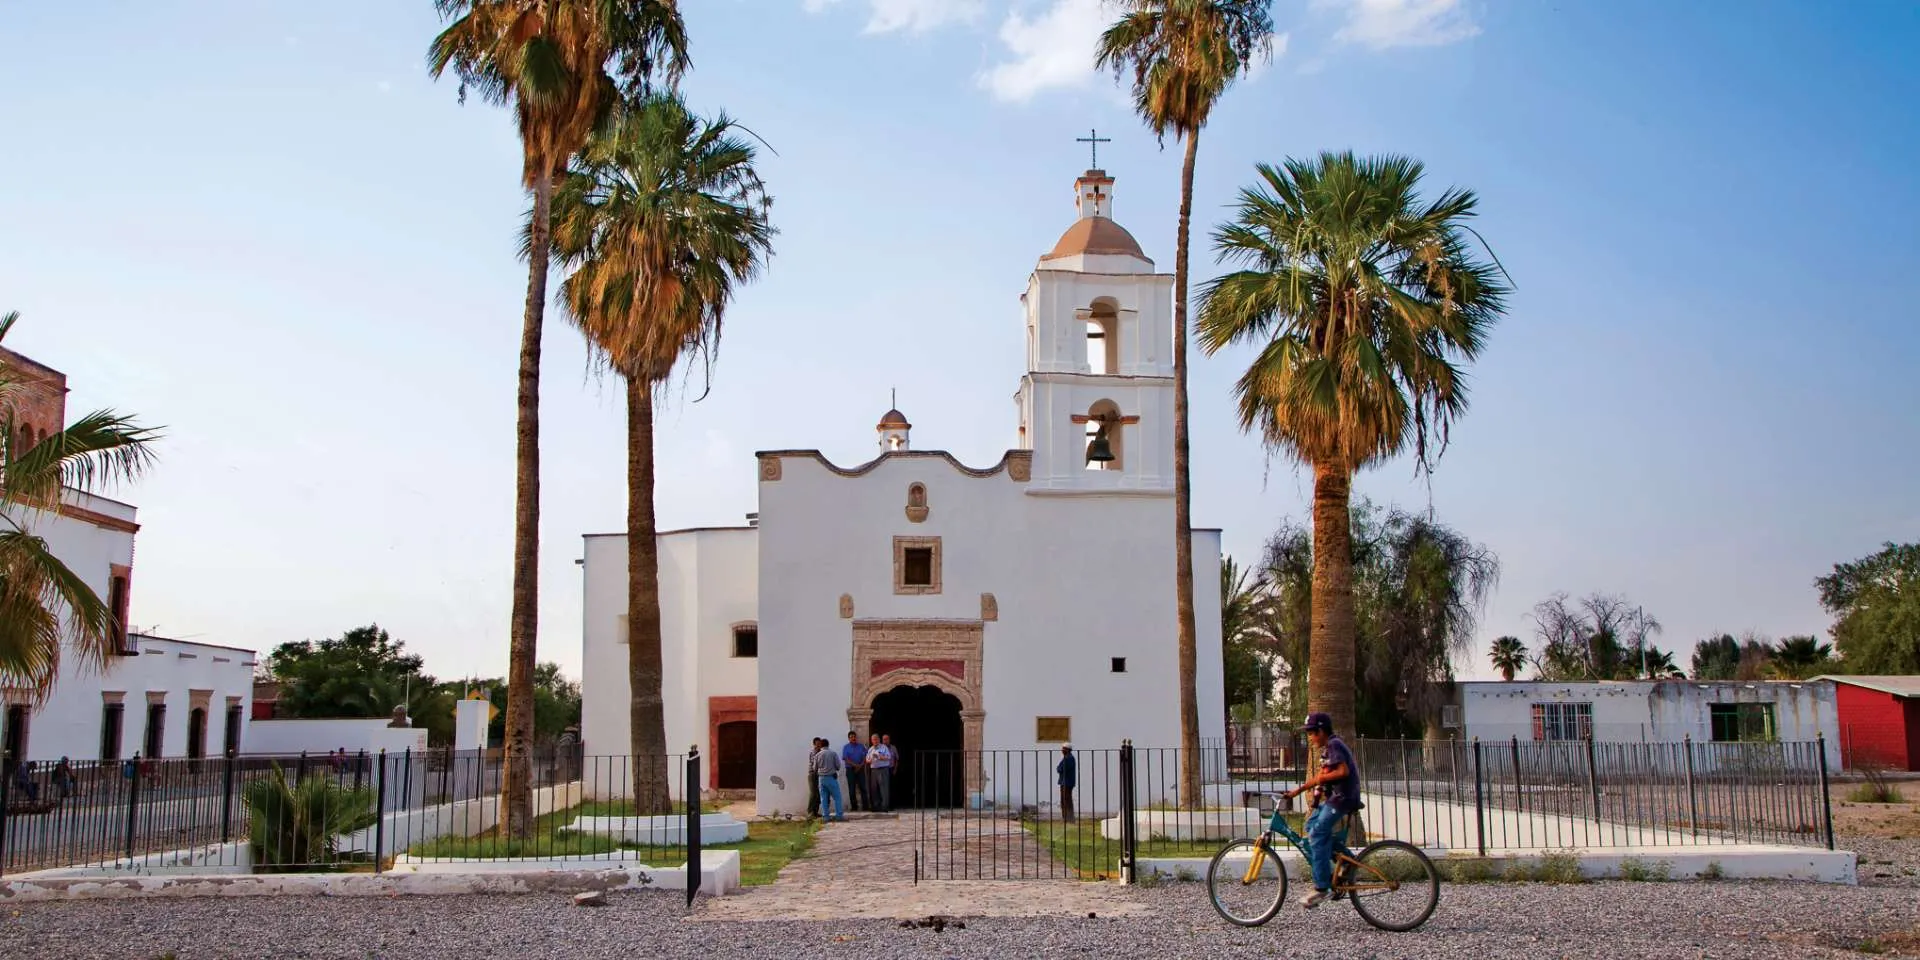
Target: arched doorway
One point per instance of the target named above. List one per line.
(924, 723)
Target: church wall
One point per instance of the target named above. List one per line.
(1077, 580)
(708, 582)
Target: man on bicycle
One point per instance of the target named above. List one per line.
(1336, 790)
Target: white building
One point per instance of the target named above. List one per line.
(154, 696)
(1647, 710)
(1017, 605)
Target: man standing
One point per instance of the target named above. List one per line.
(1336, 790)
(1068, 770)
(854, 757)
(880, 770)
(826, 764)
(813, 779)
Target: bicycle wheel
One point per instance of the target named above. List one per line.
(1240, 900)
(1395, 887)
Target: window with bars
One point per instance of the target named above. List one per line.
(1562, 721)
(1741, 722)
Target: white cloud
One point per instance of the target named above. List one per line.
(1384, 24)
(1051, 51)
(913, 16)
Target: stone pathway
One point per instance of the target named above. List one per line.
(863, 869)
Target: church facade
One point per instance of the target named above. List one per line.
(1018, 605)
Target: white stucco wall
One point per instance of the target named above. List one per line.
(69, 723)
(321, 736)
(709, 581)
(1665, 710)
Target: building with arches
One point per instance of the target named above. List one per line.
(1022, 604)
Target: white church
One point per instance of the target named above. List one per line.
(1020, 605)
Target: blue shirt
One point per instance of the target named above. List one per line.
(1069, 771)
(853, 753)
(1343, 794)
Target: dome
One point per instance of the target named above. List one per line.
(894, 420)
(1099, 236)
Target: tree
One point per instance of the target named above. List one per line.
(1875, 601)
(1362, 295)
(1287, 618)
(661, 217)
(1509, 656)
(362, 673)
(46, 609)
(1600, 637)
(1418, 587)
(1243, 594)
(556, 703)
(1183, 54)
(1716, 658)
(561, 65)
(1802, 657)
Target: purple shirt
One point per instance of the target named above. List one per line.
(1343, 794)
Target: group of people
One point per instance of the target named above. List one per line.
(25, 786)
(867, 769)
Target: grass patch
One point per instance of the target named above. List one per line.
(1556, 867)
(1636, 869)
(1466, 870)
(1875, 791)
(551, 838)
(1714, 871)
(771, 845)
(1080, 846)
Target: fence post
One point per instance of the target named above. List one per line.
(1479, 800)
(1693, 796)
(133, 805)
(5, 785)
(379, 811)
(1519, 782)
(359, 770)
(1826, 794)
(1593, 781)
(692, 792)
(226, 801)
(300, 772)
(1128, 844)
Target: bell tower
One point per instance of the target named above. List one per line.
(1096, 404)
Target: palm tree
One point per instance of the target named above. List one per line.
(1244, 653)
(661, 216)
(1797, 658)
(45, 607)
(561, 65)
(1363, 295)
(1509, 656)
(1183, 55)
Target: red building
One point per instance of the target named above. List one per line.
(1879, 720)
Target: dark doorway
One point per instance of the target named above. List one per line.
(197, 733)
(924, 723)
(738, 741)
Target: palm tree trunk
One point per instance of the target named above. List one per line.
(646, 711)
(516, 785)
(1183, 502)
(1331, 655)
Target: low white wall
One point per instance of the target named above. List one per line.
(321, 737)
(669, 830)
(1733, 862)
(463, 818)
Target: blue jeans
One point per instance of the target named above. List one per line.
(830, 806)
(1320, 827)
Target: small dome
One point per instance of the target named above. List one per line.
(894, 420)
(1096, 235)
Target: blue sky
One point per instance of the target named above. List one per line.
(264, 226)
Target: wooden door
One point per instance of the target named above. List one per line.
(738, 741)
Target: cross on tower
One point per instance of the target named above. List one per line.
(1094, 139)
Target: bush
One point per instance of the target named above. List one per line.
(298, 828)
(1638, 870)
(1467, 870)
(1552, 867)
(1714, 871)
(1876, 788)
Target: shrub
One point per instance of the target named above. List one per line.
(298, 827)
(1551, 867)
(1714, 871)
(1185, 874)
(1875, 788)
(1640, 871)
(1467, 870)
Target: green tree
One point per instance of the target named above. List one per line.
(1875, 602)
(661, 217)
(46, 608)
(364, 672)
(1183, 55)
(1716, 658)
(1598, 637)
(1360, 295)
(1287, 618)
(556, 703)
(1418, 586)
(296, 828)
(1509, 656)
(1243, 656)
(561, 65)
(1802, 657)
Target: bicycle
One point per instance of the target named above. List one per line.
(1392, 884)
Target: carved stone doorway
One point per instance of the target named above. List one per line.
(942, 654)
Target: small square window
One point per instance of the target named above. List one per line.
(1119, 664)
(917, 567)
(746, 641)
(1053, 729)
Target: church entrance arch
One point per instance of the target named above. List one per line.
(924, 724)
(943, 656)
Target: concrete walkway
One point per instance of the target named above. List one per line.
(863, 869)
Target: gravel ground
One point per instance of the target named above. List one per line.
(1480, 921)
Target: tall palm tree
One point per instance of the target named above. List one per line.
(1797, 658)
(661, 216)
(1363, 295)
(45, 607)
(1183, 54)
(561, 65)
(1509, 656)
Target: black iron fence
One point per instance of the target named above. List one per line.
(1022, 814)
(368, 812)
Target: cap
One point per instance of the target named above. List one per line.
(1318, 721)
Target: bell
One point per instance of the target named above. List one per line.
(1099, 450)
